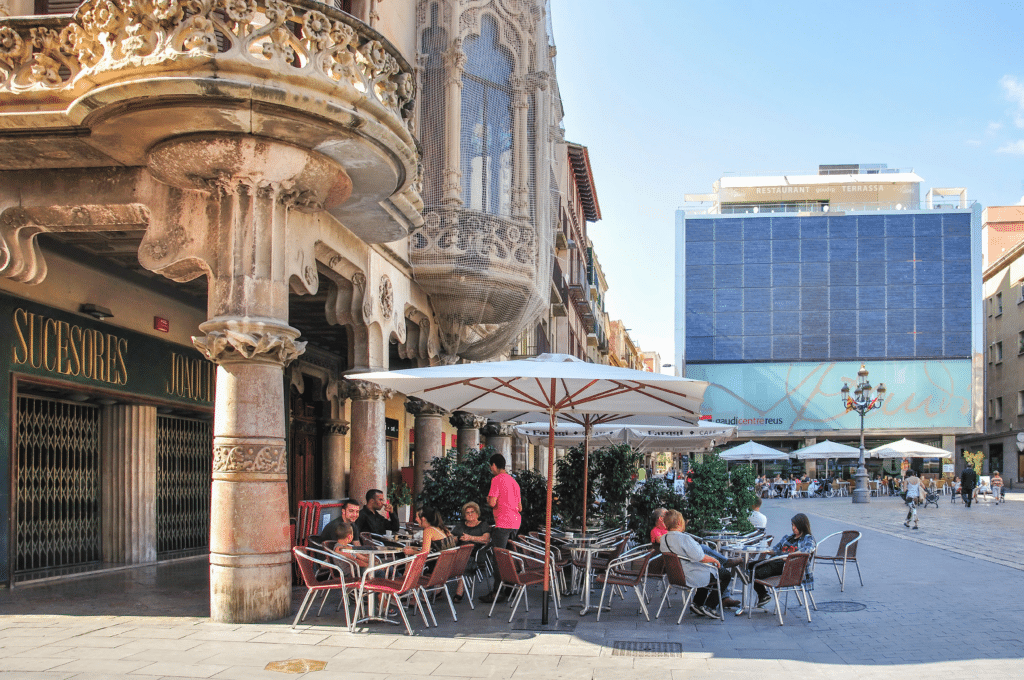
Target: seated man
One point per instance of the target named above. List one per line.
(757, 518)
(370, 518)
(349, 514)
(701, 570)
(997, 486)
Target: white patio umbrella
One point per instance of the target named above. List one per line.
(751, 450)
(551, 384)
(826, 449)
(906, 448)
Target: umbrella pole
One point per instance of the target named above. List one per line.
(586, 471)
(546, 598)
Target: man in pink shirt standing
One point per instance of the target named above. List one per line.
(505, 499)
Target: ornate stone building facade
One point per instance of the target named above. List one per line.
(301, 192)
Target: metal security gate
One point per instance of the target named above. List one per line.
(184, 468)
(56, 486)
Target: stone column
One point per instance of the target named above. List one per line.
(520, 453)
(454, 65)
(369, 447)
(128, 482)
(428, 427)
(499, 437)
(541, 454)
(234, 220)
(468, 431)
(334, 458)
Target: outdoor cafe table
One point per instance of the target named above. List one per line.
(375, 554)
(747, 553)
(589, 550)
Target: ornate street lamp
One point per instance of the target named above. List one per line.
(862, 401)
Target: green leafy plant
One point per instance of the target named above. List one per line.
(613, 480)
(449, 484)
(533, 490)
(652, 494)
(399, 493)
(709, 499)
(741, 496)
(569, 486)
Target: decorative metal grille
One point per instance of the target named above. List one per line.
(57, 484)
(184, 464)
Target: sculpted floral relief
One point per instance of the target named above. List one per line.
(108, 34)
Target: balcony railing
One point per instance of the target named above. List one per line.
(531, 342)
(558, 281)
(579, 287)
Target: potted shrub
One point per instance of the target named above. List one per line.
(400, 496)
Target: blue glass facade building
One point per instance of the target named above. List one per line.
(762, 298)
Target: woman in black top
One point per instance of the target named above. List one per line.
(471, 530)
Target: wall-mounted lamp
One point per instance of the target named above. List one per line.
(96, 311)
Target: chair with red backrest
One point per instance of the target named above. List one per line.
(794, 568)
(458, 572)
(311, 561)
(393, 589)
(437, 580)
(516, 578)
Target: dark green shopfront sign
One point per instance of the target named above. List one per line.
(49, 343)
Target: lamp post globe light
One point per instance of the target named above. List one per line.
(862, 401)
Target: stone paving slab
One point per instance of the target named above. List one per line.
(920, 616)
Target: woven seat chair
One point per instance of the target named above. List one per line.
(794, 567)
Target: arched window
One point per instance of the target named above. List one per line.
(486, 142)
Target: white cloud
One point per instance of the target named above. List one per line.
(973, 142)
(1016, 148)
(1015, 93)
(994, 127)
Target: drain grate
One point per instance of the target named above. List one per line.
(642, 648)
(560, 625)
(841, 606)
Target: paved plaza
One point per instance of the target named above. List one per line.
(940, 601)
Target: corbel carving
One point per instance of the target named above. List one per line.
(360, 390)
(496, 429)
(231, 340)
(418, 407)
(467, 421)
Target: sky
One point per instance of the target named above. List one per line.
(668, 95)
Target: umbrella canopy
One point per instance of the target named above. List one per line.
(557, 383)
(826, 449)
(905, 448)
(550, 384)
(640, 437)
(751, 450)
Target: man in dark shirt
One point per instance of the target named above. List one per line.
(349, 515)
(968, 480)
(370, 518)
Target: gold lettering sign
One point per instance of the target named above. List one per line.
(60, 347)
(192, 377)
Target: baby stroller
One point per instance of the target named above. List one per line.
(931, 497)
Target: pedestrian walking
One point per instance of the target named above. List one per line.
(505, 498)
(911, 489)
(968, 480)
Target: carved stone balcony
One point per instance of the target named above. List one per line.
(103, 86)
(484, 274)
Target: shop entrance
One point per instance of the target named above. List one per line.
(184, 459)
(56, 504)
(305, 459)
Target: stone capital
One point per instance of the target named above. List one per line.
(418, 407)
(228, 340)
(496, 429)
(336, 427)
(360, 390)
(467, 421)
